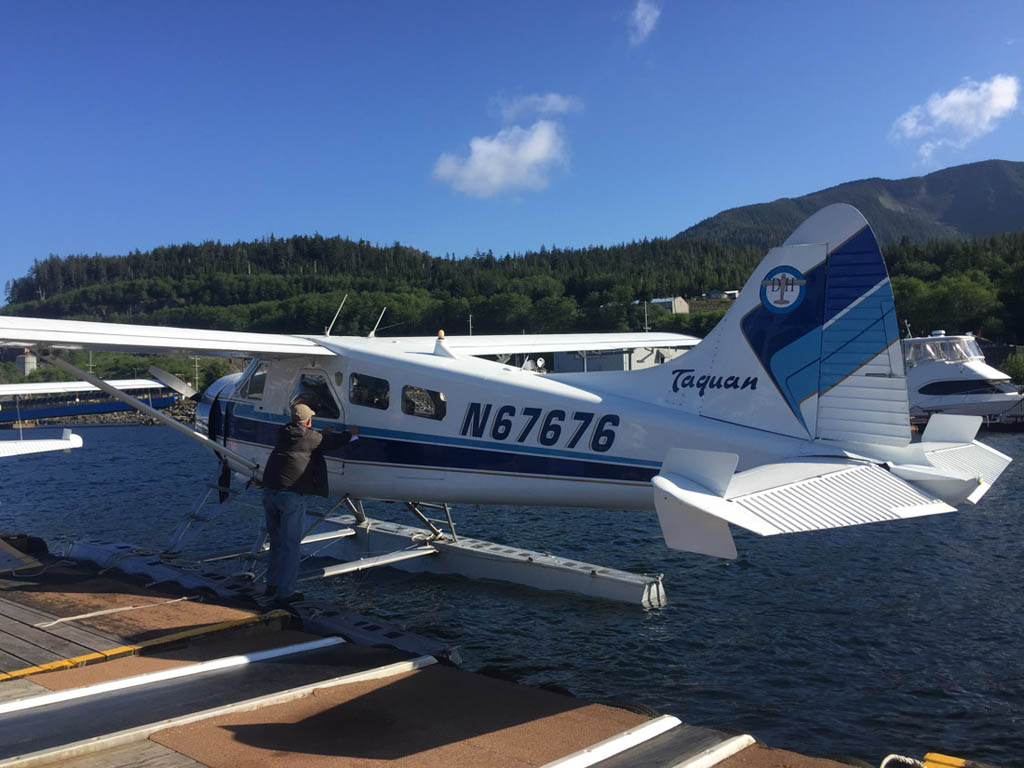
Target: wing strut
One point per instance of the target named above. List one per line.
(238, 461)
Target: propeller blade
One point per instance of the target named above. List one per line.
(172, 381)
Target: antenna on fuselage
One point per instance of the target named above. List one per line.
(327, 330)
(377, 324)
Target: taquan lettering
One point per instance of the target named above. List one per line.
(685, 379)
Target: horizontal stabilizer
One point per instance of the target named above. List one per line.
(950, 486)
(974, 459)
(787, 497)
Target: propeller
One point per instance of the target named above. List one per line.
(173, 382)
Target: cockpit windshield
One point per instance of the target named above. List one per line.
(942, 349)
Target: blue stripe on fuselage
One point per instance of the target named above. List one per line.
(384, 446)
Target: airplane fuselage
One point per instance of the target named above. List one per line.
(464, 429)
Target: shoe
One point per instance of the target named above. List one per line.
(294, 597)
(270, 591)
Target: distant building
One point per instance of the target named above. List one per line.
(26, 362)
(675, 306)
(613, 359)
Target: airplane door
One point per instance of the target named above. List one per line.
(315, 388)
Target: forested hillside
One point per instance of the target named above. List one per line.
(296, 284)
(941, 279)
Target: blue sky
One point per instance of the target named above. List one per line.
(463, 126)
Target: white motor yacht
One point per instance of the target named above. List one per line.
(948, 374)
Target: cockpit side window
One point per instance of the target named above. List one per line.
(369, 391)
(417, 401)
(312, 390)
(254, 384)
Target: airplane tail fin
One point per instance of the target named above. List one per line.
(811, 347)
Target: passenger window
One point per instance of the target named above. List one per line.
(257, 381)
(312, 390)
(417, 401)
(369, 391)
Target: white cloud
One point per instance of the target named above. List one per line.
(957, 118)
(514, 158)
(642, 21)
(536, 104)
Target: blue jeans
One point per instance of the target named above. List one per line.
(285, 514)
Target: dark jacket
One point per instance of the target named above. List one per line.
(297, 462)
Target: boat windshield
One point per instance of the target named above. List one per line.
(946, 350)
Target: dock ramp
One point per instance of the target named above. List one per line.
(50, 728)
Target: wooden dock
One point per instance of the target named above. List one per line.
(119, 633)
(33, 641)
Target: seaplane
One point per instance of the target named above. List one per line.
(790, 416)
(30, 402)
(65, 442)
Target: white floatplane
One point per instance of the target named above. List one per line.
(790, 416)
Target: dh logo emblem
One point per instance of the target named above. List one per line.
(783, 289)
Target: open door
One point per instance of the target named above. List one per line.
(314, 388)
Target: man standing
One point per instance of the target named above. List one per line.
(295, 467)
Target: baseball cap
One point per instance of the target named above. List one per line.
(301, 413)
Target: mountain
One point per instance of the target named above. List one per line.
(985, 198)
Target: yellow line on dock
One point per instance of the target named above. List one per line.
(938, 760)
(131, 650)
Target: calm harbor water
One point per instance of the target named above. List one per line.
(903, 637)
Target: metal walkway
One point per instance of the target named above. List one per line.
(43, 725)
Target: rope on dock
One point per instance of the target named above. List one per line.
(46, 624)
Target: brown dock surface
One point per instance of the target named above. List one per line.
(438, 715)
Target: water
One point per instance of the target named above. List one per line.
(902, 637)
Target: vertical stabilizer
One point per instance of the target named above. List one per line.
(810, 348)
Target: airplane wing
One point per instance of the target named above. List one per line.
(68, 387)
(68, 441)
(76, 334)
(564, 342)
